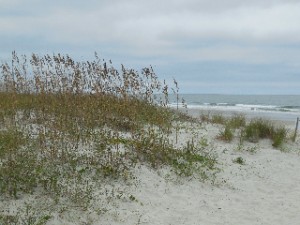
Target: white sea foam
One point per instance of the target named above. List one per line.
(251, 111)
(275, 107)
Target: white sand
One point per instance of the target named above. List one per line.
(264, 191)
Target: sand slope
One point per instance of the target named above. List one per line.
(263, 191)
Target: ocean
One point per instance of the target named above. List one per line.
(277, 107)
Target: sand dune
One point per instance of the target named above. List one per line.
(264, 190)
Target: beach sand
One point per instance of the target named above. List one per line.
(265, 190)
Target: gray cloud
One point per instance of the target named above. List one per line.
(165, 32)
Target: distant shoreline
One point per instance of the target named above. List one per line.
(286, 118)
(274, 107)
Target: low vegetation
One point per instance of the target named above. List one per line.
(252, 131)
(259, 128)
(69, 127)
(226, 134)
(239, 160)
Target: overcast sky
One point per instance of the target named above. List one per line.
(208, 46)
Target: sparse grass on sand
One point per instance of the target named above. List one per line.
(252, 131)
(68, 128)
(73, 134)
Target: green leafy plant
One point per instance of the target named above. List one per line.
(239, 160)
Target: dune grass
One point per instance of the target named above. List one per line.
(68, 127)
(260, 128)
(252, 131)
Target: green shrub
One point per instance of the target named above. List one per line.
(239, 160)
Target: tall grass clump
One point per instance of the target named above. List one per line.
(237, 121)
(261, 128)
(218, 119)
(65, 122)
(279, 136)
(226, 134)
(252, 131)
